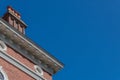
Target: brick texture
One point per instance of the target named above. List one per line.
(13, 72)
(16, 74)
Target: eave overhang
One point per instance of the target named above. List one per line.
(24, 42)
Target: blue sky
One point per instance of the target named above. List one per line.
(83, 34)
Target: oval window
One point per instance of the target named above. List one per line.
(38, 70)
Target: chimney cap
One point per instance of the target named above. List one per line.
(9, 7)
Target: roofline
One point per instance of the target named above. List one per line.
(34, 44)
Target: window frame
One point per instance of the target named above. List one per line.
(3, 73)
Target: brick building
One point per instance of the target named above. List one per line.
(20, 57)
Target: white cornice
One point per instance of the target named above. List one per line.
(41, 53)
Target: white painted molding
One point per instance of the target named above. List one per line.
(20, 66)
(3, 47)
(3, 73)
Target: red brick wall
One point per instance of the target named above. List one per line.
(16, 74)
(47, 76)
(20, 58)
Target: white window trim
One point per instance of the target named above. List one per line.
(40, 69)
(40, 72)
(4, 74)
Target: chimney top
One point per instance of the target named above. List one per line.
(14, 18)
(14, 12)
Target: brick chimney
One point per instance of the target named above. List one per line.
(14, 19)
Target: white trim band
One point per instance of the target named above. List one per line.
(19, 65)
